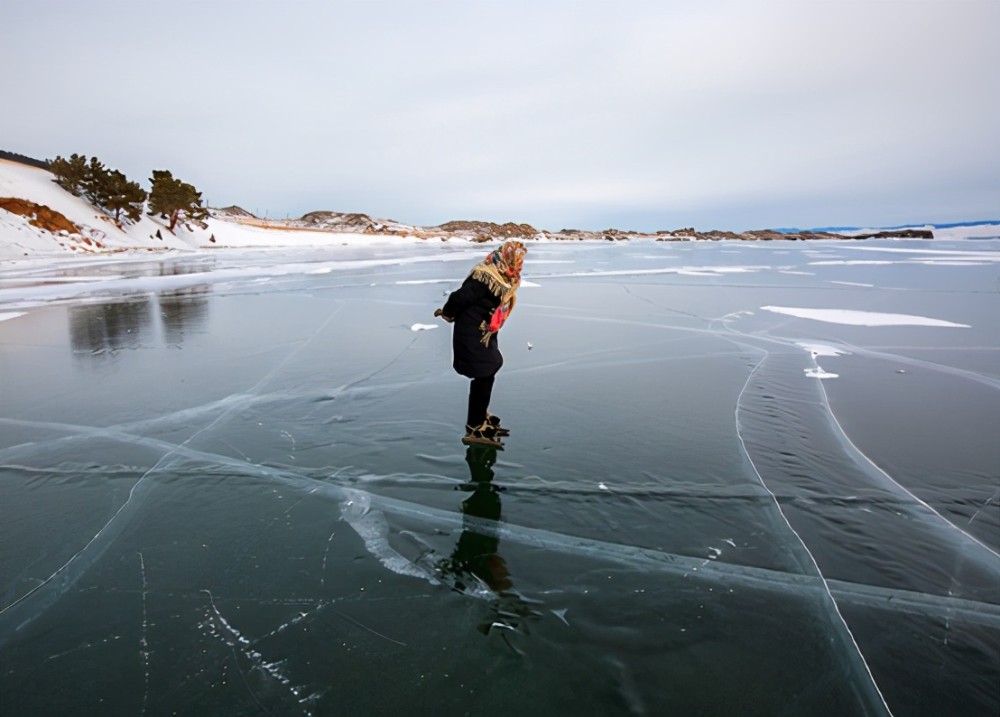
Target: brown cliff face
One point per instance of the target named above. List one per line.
(39, 215)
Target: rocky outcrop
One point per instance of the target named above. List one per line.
(339, 221)
(39, 215)
(486, 231)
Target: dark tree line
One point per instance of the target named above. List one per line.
(106, 188)
(114, 193)
(22, 159)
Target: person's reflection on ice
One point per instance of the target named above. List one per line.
(475, 557)
(475, 565)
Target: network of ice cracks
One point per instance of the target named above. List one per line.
(367, 512)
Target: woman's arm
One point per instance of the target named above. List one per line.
(459, 300)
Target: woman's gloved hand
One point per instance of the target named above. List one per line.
(438, 312)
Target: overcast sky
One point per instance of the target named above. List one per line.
(639, 115)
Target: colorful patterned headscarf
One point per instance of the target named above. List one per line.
(501, 272)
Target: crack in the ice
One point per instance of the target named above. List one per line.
(67, 579)
(990, 381)
(856, 452)
(326, 553)
(984, 505)
(995, 566)
(143, 638)
(254, 657)
(819, 573)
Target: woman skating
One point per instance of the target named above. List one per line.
(478, 309)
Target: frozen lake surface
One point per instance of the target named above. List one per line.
(743, 479)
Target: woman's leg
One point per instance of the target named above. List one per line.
(480, 391)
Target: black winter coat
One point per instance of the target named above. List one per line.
(471, 305)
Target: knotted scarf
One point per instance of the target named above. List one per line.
(500, 271)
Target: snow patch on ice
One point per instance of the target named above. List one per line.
(943, 261)
(853, 317)
(821, 349)
(8, 315)
(423, 327)
(818, 372)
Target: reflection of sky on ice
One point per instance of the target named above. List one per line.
(243, 468)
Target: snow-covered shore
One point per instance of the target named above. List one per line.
(21, 239)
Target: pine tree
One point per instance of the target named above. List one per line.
(96, 183)
(174, 200)
(71, 174)
(123, 196)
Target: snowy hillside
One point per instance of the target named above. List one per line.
(98, 233)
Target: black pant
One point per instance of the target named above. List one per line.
(480, 391)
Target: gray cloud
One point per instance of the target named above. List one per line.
(588, 114)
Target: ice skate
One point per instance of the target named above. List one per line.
(484, 435)
(494, 422)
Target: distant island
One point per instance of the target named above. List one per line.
(481, 231)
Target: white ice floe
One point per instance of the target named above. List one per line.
(685, 270)
(423, 327)
(853, 283)
(414, 282)
(851, 262)
(946, 261)
(854, 317)
(821, 349)
(818, 372)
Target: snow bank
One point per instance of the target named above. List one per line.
(861, 318)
